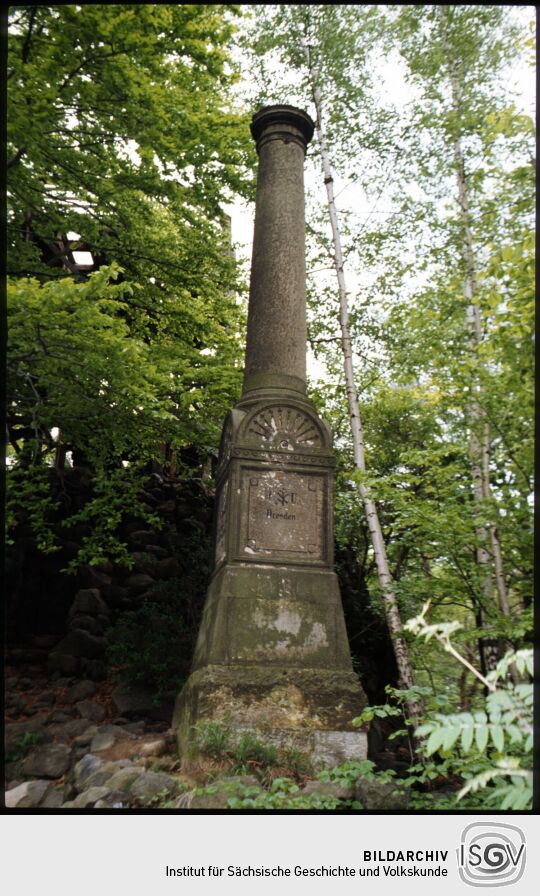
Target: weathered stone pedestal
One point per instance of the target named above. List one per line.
(272, 655)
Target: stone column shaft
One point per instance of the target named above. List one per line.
(276, 332)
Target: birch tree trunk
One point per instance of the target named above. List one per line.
(393, 619)
(479, 434)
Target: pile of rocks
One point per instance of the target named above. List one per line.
(78, 745)
(66, 736)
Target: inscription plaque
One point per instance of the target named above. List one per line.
(285, 513)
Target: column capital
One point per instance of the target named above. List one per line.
(285, 123)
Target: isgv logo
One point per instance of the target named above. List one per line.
(491, 854)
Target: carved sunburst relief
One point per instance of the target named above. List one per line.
(284, 428)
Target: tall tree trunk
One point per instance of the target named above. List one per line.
(479, 433)
(393, 619)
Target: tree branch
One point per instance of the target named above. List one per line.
(17, 157)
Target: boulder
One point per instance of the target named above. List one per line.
(112, 801)
(139, 582)
(94, 669)
(66, 731)
(14, 732)
(49, 761)
(381, 797)
(144, 537)
(144, 562)
(102, 740)
(133, 727)
(94, 577)
(59, 716)
(167, 568)
(88, 798)
(167, 507)
(150, 784)
(154, 747)
(27, 795)
(124, 778)
(329, 788)
(47, 697)
(88, 601)
(84, 768)
(80, 691)
(77, 643)
(87, 623)
(105, 772)
(133, 699)
(64, 663)
(88, 709)
(157, 551)
(53, 800)
(82, 740)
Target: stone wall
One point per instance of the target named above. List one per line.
(63, 620)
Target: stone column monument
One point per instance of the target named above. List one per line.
(272, 655)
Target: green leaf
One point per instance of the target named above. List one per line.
(435, 741)
(467, 734)
(450, 736)
(497, 736)
(482, 734)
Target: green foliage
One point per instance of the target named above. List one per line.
(123, 130)
(348, 772)
(30, 502)
(497, 738)
(116, 497)
(485, 755)
(403, 233)
(512, 794)
(142, 138)
(401, 699)
(250, 751)
(163, 799)
(298, 763)
(501, 735)
(244, 752)
(76, 365)
(213, 740)
(283, 794)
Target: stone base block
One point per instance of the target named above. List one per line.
(307, 709)
(273, 616)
